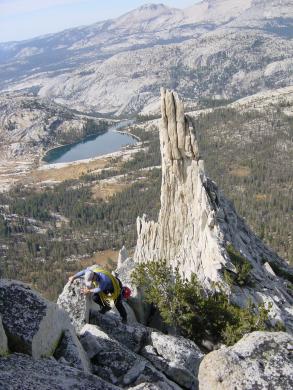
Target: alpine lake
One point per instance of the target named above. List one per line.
(93, 146)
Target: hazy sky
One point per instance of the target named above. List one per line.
(22, 19)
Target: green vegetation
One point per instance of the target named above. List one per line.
(193, 312)
(146, 118)
(4, 227)
(92, 226)
(243, 268)
(213, 103)
(90, 128)
(249, 154)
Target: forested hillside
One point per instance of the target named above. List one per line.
(249, 153)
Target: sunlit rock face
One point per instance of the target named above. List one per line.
(197, 223)
(186, 234)
(260, 360)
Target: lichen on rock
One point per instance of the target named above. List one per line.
(19, 371)
(260, 360)
(32, 324)
(75, 304)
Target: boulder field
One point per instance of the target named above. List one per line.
(47, 349)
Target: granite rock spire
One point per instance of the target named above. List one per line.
(197, 224)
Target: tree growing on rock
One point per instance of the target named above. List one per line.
(192, 311)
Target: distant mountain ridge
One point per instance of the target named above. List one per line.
(206, 10)
(217, 48)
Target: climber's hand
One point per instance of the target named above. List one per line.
(85, 291)
(71, 279)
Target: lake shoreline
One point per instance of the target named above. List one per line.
(121, 153)
(70, 144)
(51, 156)
(128, 133)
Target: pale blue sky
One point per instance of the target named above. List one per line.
(23, 19)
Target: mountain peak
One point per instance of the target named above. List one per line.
(151, 6)
(147, 16)
(150, 10)
(217, 11)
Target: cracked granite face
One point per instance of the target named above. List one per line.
(18, 321)
(32, 324)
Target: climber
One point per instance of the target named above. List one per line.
(104, 287)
